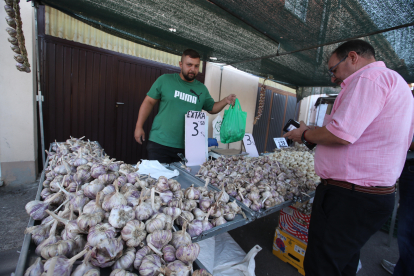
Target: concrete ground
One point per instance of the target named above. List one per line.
(14, 220)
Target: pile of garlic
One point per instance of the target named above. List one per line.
(106, 212)
(258, 182)
(298, 158)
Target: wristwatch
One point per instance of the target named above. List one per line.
(310, 145)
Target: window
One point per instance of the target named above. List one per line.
(297, 7)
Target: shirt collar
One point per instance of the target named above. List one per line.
(355, 74)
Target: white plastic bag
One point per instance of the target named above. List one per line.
(216, 127)
(222, 256)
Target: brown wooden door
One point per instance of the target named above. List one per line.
(82, 85)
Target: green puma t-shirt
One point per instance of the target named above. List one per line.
(176, 97)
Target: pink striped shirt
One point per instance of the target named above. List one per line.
(375, 113)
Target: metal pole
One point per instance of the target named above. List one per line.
(39, 96)
(394, 214)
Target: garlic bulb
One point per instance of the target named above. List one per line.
(198, 214)
(162, 184)
(39, 232)
(127, 259)
(100, 232)
(168, 252)
(141, 253)
(108, 178)
(204, 203)
(120, 216)
(144, 210)
(205, 224)
(229, 216)
(84, 267)
(218, 221)
(150, 266)
(155, 223)
(79, 200)
(86, 221)
(174, 185)
(179, 194)
(166, 196)
(97, 170)
(174, 212)
(189, 205)
(201, 272)
(121, 272)
(192, 193)
(179, 268)
(107, 252)
(92, 189)
(133, 233)
(180, 238)
(52, 239)
(115, 200)
(94, 206)
(37, 209)
(60, 265)
(35, 269)
(159, 238)
(185, 216)
(195, 228)
(60, 248)
(188, 253)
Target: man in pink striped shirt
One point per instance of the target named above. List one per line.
(360, 153)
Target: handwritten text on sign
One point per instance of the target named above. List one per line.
(196, 134)
(249, 145)
(280, 142)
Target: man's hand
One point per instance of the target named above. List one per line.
(139, 134)
(296, 134)
(231, 99)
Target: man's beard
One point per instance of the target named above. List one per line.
(187, 77)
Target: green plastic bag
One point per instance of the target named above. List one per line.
(233, 126)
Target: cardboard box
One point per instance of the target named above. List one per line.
(289, 249)
(294, 222)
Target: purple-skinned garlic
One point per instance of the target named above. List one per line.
(133, 233)
(127, 259)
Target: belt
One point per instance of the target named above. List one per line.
(362, 189)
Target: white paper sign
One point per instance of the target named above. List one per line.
(280, 142)
(250, 145)
(196, 135)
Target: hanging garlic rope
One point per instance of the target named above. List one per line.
(16, 38)
(261, 102)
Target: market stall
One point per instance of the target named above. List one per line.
(81, 190)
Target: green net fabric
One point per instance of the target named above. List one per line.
(248, 34)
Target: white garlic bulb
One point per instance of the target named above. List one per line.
(133, 233)
(120, 216)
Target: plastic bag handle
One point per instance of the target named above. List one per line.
(236, 104)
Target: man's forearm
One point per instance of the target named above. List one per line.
(218, 106)
(322, 136)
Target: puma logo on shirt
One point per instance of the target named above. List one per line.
(185, 97)
(198, 96)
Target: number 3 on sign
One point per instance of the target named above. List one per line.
(280, 142)
(249, 145)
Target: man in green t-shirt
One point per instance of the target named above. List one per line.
(177, 94)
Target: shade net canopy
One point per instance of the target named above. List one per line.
(248, 34)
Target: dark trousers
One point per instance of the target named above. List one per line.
(342, 221)
(405, 264)
(162, 153)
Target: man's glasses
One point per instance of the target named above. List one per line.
(330, 72)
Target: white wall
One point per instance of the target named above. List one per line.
(17, 106)
(234, 81)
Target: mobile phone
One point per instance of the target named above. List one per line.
(291, 125)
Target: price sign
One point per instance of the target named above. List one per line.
(280, 142)
(250, 145)
(196, 137)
